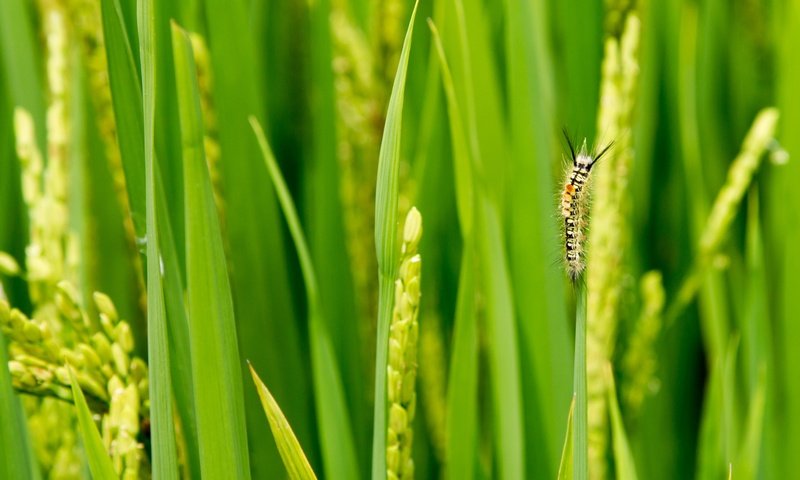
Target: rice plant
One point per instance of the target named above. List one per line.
(213, 262)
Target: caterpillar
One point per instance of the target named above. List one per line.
(574, 205)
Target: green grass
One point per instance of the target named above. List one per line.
(386, 247)
(96, 455)
(218, 391)
(338, 450)
(580, 416)
(294, 458)
(360, 110)
(165, 459)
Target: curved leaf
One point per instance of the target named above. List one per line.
(291, 452)
(99, 461)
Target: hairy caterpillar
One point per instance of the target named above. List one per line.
(574, 205)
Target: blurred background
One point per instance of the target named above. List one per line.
(694, 312)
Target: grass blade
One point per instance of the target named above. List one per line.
(262, 288)
(294, 459)
(126, 95)
(99, 461)
(467, 36)
(164, 456)
(386, 245)
(178, 329)
(581, 420)
(16, 459)
(212, 329)
(713, 305)
(462, 388)
(14, 452)
(20, 86)
(578, 26)
(566, 464)
(716, 436)
(338, 449)
(502, 341)
(325, 217)
(501, 331)
(462, 166)
(540, 301)
(19, 55)
(747, 460)
(623, 458)
(787, 382)
(128, 102)
(757, 351)
(388, 168)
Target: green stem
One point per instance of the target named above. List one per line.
(580, 425)
(385, 306)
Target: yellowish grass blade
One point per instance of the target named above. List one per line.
(291, 452)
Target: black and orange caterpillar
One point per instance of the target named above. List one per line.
(574, 205)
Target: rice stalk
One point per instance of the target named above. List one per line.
(358, 115)
(87, 24)
(740, 174)
(388, 29)
(51, 255)
(113, 379)
(609, 237)
(401, 371)
(386, 245)
(640, 360)
(433, 382)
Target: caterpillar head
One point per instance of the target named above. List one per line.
(583, 159)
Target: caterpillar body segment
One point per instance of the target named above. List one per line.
(574, 206)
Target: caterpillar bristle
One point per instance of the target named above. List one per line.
(573, 206)
(574, 271)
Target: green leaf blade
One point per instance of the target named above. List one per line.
(540, 298)
(623, 457)
(218, 392)
(263, 293)
(491, 266)
(389, 165)
(325, 214)
(19, 54)
(99, 461)
(338, 449)
(581, 416)
(565, 466)
(19, 86)
(504, 359)
(126, 90)
(462, 396)
(291, 452)
(126, 95)
(164, 454)
(387, 250)
(15, 461)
